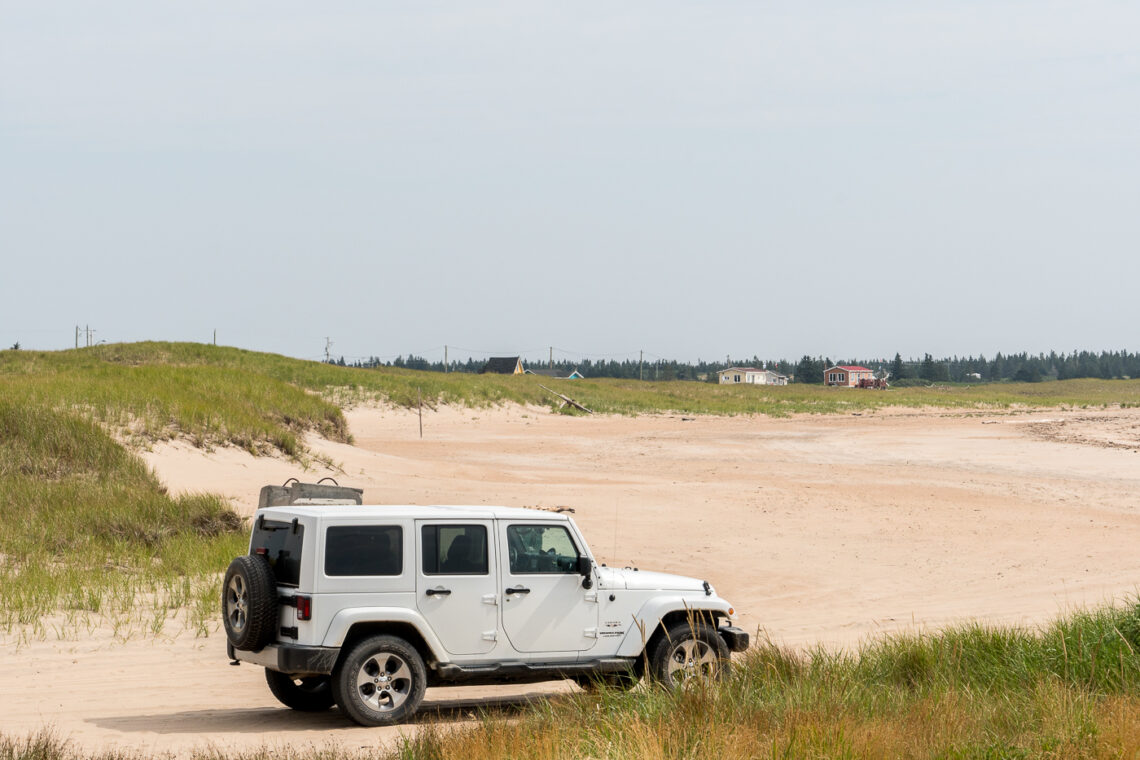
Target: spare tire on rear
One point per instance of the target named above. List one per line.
(249, 602)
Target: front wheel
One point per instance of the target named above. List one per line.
(380, 682)
(689, 654)
(309, 694)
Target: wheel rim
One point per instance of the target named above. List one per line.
(691, 661)
(384, 682)
(237, 603)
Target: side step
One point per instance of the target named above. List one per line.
(536, 671)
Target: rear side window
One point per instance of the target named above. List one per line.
(454, 549)
(364, 550)
(281, 542)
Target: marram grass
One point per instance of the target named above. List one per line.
(90, 530)
(1070, 690)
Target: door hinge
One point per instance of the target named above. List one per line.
(490, 635)
(492, 599)
(591, 596)
(289, 631)
(590, 633)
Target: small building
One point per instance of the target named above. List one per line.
(751, 376)
(502, 365)
(557, 374)
(847, 375)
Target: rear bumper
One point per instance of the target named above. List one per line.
(289, 658)
(735, 638)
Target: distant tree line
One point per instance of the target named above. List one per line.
(1022, 367)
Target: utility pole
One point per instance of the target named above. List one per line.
(77, 336)
(215, 336)
(551, 365)
(328, 345)
(445, 359)
(641, 365)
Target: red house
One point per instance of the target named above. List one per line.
(847, 375)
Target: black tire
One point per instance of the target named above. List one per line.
(688, 654)
(249, 603)
(380, 682)
(309, 694)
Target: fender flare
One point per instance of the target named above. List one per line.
(345, 619)
(648, 618)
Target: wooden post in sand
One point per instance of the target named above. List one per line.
(420, 398)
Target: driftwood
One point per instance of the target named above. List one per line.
(567, 400)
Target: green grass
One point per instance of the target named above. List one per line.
(1071, 690)
(89, 529)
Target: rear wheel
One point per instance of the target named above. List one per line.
(380, 682)
(308, 694)
(688, 655)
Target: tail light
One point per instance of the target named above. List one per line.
(304, 607)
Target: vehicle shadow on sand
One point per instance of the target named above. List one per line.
(273, 719)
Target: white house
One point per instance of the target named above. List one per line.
(751, 375)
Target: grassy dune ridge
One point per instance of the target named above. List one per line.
(89, 529)
(219, 394)
(160, 399)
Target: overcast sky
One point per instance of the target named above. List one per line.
(691, 179)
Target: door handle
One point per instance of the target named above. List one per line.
(439, 591)
(518, 590)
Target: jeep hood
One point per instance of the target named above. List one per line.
(643, 580)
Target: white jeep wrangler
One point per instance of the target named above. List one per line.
(367, 606)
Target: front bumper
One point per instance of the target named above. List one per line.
(289, 658)
(735, 638)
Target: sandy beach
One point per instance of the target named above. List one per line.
(821, 530)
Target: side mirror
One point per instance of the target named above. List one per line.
(585, 567)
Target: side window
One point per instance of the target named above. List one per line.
(454, 549)
(364, 550)
(541, 549)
